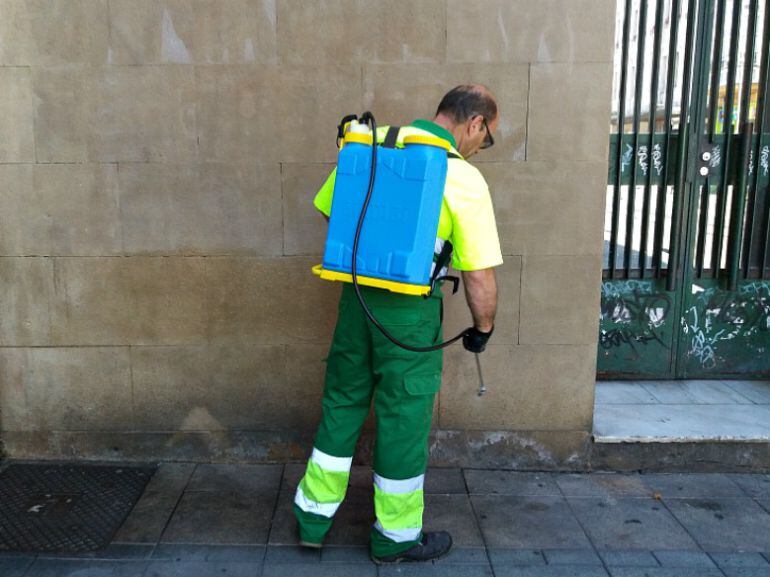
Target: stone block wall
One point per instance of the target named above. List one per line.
(157, 164)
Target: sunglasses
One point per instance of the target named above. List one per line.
(489, 140)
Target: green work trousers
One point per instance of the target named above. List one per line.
(363, 365)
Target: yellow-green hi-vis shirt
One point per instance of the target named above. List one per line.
(467, 219)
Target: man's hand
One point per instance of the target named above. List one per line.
(476, 341)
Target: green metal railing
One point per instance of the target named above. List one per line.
(689, 192)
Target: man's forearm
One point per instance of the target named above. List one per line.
(481, 294)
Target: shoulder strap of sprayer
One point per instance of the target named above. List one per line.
(391, 137)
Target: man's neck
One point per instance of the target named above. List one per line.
(448, 124)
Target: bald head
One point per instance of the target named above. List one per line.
(466, 101)
(469, 113)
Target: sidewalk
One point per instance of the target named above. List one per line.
(236, 521)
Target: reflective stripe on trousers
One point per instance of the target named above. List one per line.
(324, 485)
(398, 504)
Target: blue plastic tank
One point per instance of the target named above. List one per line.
(398, 237)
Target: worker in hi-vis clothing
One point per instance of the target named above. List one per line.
(363, 365)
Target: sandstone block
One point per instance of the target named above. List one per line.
(63, 209)
(525, 31)
(269, 301)
(25, 295)
(399, 93)
(68, 388)
(208, 208)
(304, 228)
(350, 31)
(129, 300)
(16, 113)
(102, 114)
(272, 114)
(528, 387)
(203, 388)
(560, 300)
(53, 32)
(569, 112)
(192, 31)
(548, 207)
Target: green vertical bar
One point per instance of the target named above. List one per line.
(719, 224)
(621, 127)
(681, 176)
(760, 124)
(663, 191)
(652, 117)
(642, 34)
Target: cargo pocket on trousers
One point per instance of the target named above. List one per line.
(427, 384)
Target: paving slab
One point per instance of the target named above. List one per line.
(602, 485)
(226, 518)
(14, 567)
(113, 552)
(691, 485)
(623, 393)
(443, 481)
(757, 486)
(344, 554)
(724, 525)
(572, 557)
(292, 554)
(236, 478)
(551, 571)
(747, 572)
(676, 423)
(515, 557)
(664, 572)
(622, 524)
(465, 556)
(757, 391)
(684, 559)
(437, 570)
(453, 513)
(485, 482)
(765, 504)
(694, 393)
(528, 522)
(320, 570)
(221, 553)
(151, 513)
(86, 568)
(738, 560)
(202, 569)
(628, 558)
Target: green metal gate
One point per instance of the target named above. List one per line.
(686, 283)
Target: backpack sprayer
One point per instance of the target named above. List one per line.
(397, 253)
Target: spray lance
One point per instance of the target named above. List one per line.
(471, 333)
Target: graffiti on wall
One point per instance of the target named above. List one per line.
(633, 315)
(718, 319)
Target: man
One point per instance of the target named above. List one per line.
(363, 365)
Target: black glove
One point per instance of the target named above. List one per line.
(475, 341)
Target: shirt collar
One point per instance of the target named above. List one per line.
(436, 130)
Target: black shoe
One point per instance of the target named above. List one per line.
(432, 546)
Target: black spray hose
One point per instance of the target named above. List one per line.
(368, 118)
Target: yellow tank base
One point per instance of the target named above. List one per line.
(392, 286)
